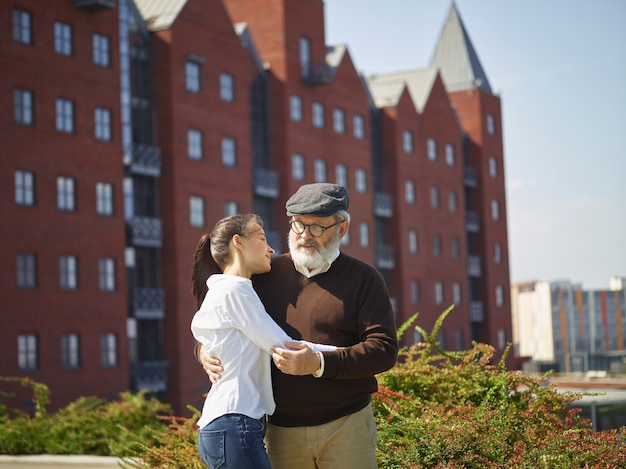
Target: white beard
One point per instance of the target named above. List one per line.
(318, 258)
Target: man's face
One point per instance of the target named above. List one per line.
(313, 252)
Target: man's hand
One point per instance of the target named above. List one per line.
(212, 366)
(297, 359)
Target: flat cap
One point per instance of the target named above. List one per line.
(320, 199)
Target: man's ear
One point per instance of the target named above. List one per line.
(343, 228)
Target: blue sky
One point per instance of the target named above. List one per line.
(560, 69)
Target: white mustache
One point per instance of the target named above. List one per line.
(309, 243)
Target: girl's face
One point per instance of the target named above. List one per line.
(257, 254)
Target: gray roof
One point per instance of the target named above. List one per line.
(386, 89)
(159, 14)
(456, 58)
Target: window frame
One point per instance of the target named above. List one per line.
(196, 211)
(28, 352)
(104, 198)
(68, 272)
(24, 188)
(64, 115)
(193, 76)
(66, 194)
(106, 274)
(295, 108)
(63, 39)
(227, 87)
(229, 152)
(26, 270)
(70, 352)
(22, 26)
(339, 121)
(101, 50)
(102, 124)
(23, 106)
(195, 144)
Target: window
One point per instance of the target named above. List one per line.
(493, 167)
(495, 210)
(70, 351)
(108, 350)
(68, 272)
(491, 125)
(438, 293)
(497, 254)
(346, 238)
(339, 124)
(360, 180)
(305, 57)
(22, 26)
(407, 141)
(65, 116)
(106, 274)
(65, 194)
(230, 209)
(26, 271)
(431, 148)
(27, 352)
(23, 106)
(320, 170)
(196, 211)
(318, 115)
(102, 124)
(412, 241)
(455, 247)
(456, 293)
(295, 108)
(458, 339)
(227, 87)
(409, 192)
(104, 198)
(501, 339)
(193, 76)
(229, 152)
(341, 175)
(24, 188)
(101, 50)
(62, 38)
(437, 245)
(358, 127)
(297, 167)
(499, 296)
(364, 237)
(194, 144)
(434, 197)
(452, 201)
(449, 154)
(415, 291)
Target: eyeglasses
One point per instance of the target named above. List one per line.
(314, 229)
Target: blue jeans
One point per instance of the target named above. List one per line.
(233, 441)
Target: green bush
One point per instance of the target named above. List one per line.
(434, 409)
(440, 409)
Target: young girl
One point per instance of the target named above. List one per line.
(232, 324)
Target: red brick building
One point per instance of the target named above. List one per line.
(156, 120)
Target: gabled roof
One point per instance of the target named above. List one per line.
(386, 89)
(159, 14)
(334, 55)
(456, 58)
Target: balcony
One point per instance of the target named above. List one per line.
(472, 222)
(145, 231)
(383, 205)
(469, 177)
(148, 303)
(150, 375)
(385, 257)
(474, 268)
(318, 74)
(266, 183)
(476, 311)
(95, 5)
(143, 159)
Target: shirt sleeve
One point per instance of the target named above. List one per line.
(248, 315)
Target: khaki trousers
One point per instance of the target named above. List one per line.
(346, 443)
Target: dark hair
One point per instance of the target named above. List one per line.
(213, 251)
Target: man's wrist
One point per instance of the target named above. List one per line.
(320, 371)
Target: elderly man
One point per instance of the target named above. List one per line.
(323, 416)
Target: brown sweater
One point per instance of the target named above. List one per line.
(347, 306)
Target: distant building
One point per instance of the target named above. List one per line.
(131, 127)
(560, 326)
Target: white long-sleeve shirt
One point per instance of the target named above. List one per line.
(232, 324)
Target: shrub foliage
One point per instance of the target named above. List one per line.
(434, 409)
